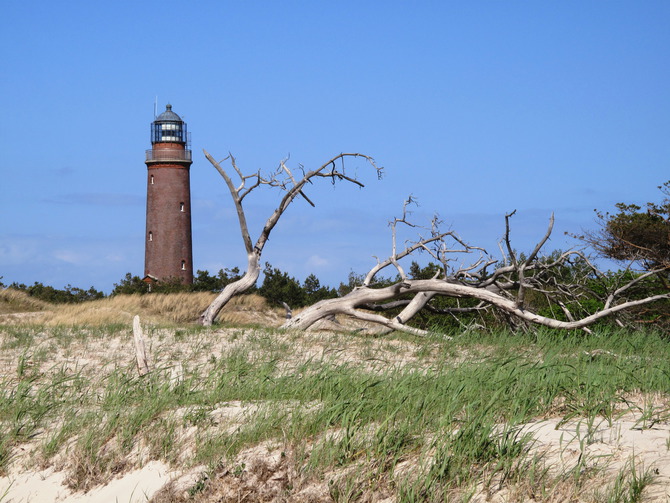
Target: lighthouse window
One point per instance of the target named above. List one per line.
(152, 179)
(151, 236)
(181, 207)
(169, 132)
(183, 265)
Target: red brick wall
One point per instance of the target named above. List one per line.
(168, 224)
(167, 146)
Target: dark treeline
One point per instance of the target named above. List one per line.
(277, 286)
(67, 295)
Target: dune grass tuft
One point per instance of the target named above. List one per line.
(172, 308)
(16, 301)
(157, 308)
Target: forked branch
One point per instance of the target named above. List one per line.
(282, 179)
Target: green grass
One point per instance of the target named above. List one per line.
(453, 409)
(629, 484)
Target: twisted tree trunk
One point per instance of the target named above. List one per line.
(282, 179)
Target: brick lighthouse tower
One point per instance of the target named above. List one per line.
(169, 249)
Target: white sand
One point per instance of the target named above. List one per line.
(47, 487)
(610, 447)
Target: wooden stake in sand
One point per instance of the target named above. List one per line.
(140, 348)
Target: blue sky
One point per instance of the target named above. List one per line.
(475, 108)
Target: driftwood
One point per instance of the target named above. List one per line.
(289, 311)
(140, 348)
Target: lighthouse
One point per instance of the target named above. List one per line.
(168, 243)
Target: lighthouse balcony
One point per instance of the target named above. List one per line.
(168, 155)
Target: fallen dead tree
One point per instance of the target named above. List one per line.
(285, 180)
(504, 289)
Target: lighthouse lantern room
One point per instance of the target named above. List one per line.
(168, 127)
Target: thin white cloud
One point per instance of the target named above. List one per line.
(70, 256)
(317, 262)
(115, 257)
(17, 250)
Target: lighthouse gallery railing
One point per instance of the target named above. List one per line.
(168, 155)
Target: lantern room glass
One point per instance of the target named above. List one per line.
(168, 132)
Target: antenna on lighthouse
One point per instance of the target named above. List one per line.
(155, 106)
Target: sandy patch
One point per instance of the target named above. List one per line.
(610, 448)
(47, 486)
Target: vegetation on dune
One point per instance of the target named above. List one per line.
(16, 301)
(277, 287)
(67, 295)
(166, 309)
(202, 282)
(420, 419)
(634, 234)
(641, 237)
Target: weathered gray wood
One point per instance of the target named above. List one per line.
(495, 289)
(282, 179)
(140, 348)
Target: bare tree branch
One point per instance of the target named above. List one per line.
(521, 295)
(281, 178)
